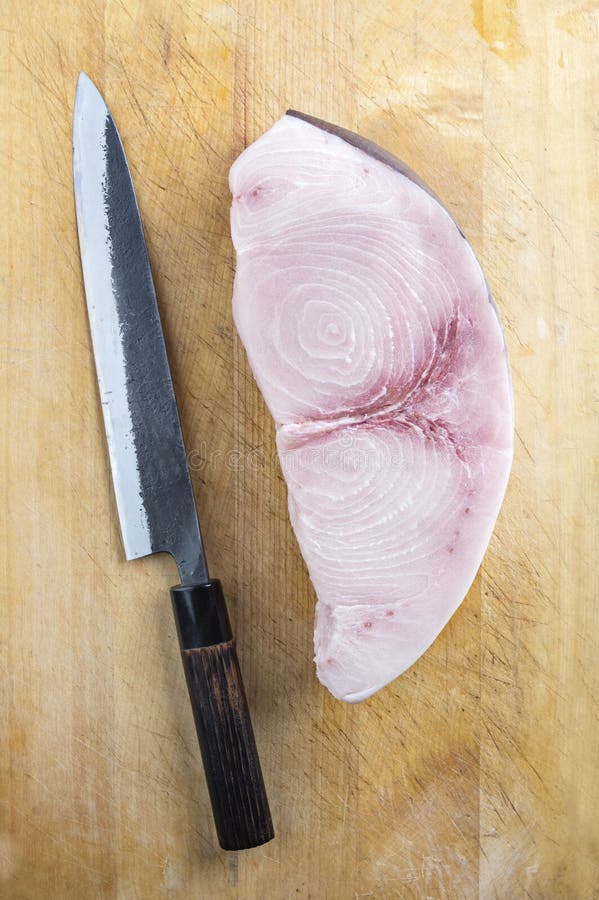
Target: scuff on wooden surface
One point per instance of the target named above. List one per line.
(472, 775)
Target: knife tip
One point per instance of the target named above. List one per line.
(84, 82)
(89, 103)
(85, 86)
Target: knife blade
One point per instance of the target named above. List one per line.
(152, 484)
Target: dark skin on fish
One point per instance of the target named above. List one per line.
(372, 149)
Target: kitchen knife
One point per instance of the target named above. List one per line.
(150, 475)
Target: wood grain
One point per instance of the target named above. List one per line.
(475, 774)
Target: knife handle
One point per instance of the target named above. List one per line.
(237, 793)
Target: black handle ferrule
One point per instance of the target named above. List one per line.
(201, 614)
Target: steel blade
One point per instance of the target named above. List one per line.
(151, 479)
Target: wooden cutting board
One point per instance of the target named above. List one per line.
(475, 774)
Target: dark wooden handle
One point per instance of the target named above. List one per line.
(222, 718)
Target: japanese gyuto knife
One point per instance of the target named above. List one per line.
(151, 479)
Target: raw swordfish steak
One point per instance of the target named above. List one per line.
(378, 349)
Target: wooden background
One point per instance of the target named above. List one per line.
(476, 773)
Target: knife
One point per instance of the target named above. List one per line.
(150, 475)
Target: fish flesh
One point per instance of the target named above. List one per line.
(377, 346)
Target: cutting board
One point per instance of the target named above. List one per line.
(475, 773)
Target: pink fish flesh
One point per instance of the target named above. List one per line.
(373, 337)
